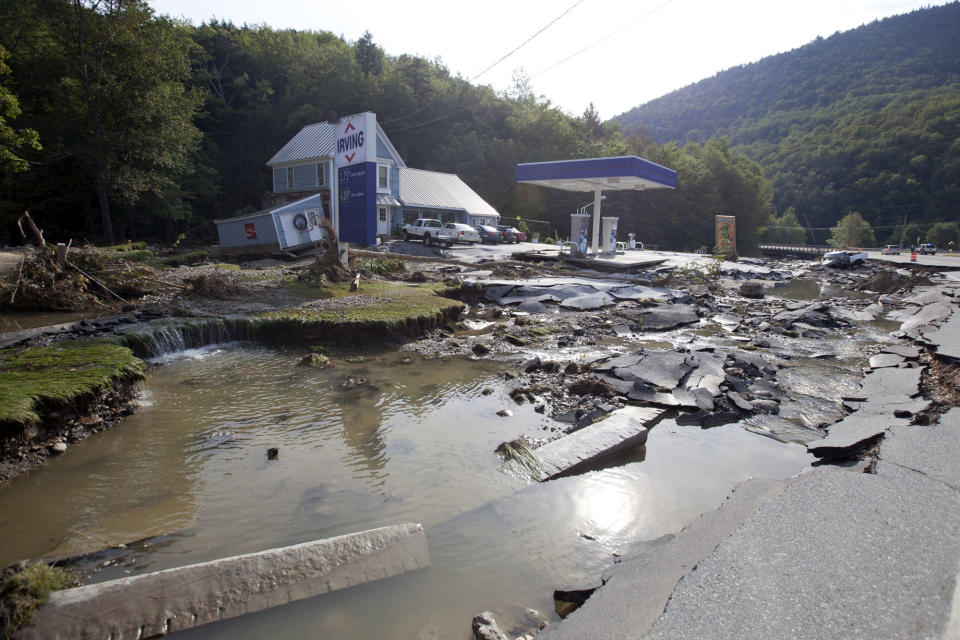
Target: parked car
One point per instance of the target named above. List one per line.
(891, 250)
(429, 230)
(508, 233)
(927, 248)
(463, 232)
(521, 235)
(490, 235)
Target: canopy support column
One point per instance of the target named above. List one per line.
(596, 221)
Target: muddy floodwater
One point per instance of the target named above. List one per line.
(405, 440)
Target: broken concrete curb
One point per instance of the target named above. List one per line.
(155, 604)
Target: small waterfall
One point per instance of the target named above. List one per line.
(162, 337)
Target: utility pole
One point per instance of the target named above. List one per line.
(904, 230)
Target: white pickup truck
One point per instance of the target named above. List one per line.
(430, 231)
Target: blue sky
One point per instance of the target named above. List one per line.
(636, 50)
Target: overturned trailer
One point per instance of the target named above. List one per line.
(291, 226)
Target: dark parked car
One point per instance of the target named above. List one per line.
(490, 234)
(509, 234)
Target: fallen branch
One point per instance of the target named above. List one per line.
(105, 287)
(23, 258)
(33, 227)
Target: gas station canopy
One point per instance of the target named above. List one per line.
(621, 173)
(592, 174)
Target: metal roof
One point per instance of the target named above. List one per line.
(618, 173)
(313, 141)
(316, 141)
(387, 199)
(433, 190)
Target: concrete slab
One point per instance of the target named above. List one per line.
(155, 604)
(837, 554)
(622, 429)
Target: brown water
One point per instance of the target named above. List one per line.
(413, 443)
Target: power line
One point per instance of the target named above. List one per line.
(488, 68)
(525, 42)
(604, 38)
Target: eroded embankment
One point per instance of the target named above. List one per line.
(57, 394)
(60, 393)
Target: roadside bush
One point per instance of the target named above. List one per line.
(384, 266)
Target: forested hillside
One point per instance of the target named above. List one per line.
(867, 120)
(118, 123)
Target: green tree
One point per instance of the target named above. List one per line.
(852, 231)
(129, 73)
(912, 234)
(943, 233)
(12, 141)
(785, 229)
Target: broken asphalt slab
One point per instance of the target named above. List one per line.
(884, 395)
(621, 430)
(826, 559)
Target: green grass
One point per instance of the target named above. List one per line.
(24, 591)
(136, 255)
(130, 246)
(226, 265)
(396, 303)
(194, 257)
(59, 373)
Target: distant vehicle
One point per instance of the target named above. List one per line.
(490, 235)
(927, 248)
(842, 258)
(521, 235)
(463, 233)
(508, 233)
(430, 231)
(891, 250)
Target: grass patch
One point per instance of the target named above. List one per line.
(226, 265)
(540, 332)
(395, 303)
(194, 257)
(137, 255)
(384, 266)
(59, 373)
(130, 246)
(25, 590)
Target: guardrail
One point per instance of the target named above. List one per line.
(795, 249)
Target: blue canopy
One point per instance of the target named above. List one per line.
(592, 174)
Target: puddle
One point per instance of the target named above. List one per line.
(409, 440)
(806, 289)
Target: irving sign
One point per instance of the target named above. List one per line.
(355, 165)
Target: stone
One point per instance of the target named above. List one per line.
(751, 289)
(273, 453)
(505, 413)
(532, 364)
(314, 360)
(908, 351)
(480, 349)
(739, 401)
(58, 447)
(485, 627)
(765, 406)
